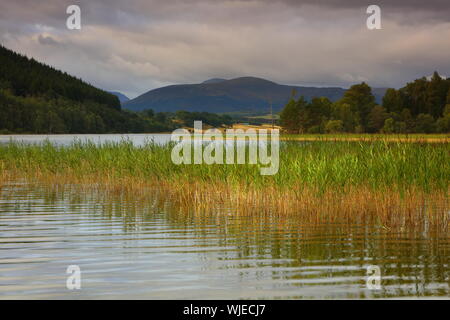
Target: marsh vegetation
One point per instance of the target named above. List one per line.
(388, 183)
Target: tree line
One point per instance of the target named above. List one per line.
(168, 121)
(39, 115)
(422, 106)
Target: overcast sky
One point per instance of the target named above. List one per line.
(136, 45)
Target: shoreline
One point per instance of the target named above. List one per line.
(407, 138)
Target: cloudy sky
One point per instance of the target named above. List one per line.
(136, 45)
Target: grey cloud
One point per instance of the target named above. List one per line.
(119, 12)
(133, 46)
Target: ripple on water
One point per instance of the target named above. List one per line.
(156, 253)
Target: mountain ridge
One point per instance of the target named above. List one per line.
(243, 94)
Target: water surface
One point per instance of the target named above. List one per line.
(148, 249)
(67, 139)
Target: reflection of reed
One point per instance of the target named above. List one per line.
(388, 209)
(293, 248)
(414, 209)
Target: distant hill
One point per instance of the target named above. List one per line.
(246, 94)
(122, 98)
(36, 98)
(214, 80)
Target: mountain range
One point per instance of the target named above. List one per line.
(244, 94)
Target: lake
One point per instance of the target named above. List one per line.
(67, 139)
(148, 249)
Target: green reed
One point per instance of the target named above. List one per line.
(380, 165)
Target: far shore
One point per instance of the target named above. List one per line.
(399, 137)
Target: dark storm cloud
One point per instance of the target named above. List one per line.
(136, 45)
(118, 11)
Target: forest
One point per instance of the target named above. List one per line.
(422, 106)
(36, 98)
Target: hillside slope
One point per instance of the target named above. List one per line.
(36, 98)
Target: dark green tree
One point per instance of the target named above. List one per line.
(290, 115)
(361, 101)
(376, 120)
(425, 123)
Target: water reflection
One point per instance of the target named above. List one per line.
(148, 248)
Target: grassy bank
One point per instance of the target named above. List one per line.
(379, 136)
(390, 183)
(411, 138)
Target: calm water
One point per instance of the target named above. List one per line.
(147, 249)
(67, 139)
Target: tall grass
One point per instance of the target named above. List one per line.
(344, 177)
(321, 165)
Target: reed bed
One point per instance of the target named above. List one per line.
(383, 182)
(407, 138)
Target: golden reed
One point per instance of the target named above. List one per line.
(388, 208)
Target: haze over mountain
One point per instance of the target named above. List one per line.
(245, 94)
